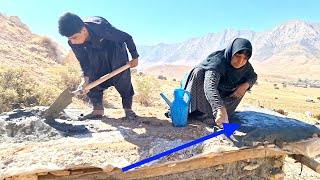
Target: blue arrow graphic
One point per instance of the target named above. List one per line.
(228, 130)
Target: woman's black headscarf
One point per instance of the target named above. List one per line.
(220, 61)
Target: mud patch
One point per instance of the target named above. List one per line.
(28, 125)
(262, 125)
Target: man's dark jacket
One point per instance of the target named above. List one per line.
(106, 49)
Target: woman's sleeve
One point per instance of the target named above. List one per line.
(211, 81)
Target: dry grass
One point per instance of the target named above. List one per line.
(18, 88)
(147, 93)
(145, 86)
(268, 92)
(21, 87)
(291, 99)
(65, 76)
(147, 89)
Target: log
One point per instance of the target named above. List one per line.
(309, 147)
(311, 163)
(201, 162)
(198, 162)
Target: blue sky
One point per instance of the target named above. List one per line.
(164, 21)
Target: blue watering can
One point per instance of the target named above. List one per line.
(179, 108)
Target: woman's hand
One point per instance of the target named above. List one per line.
(221, 117)
(241, 90)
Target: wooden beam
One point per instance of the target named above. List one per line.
(201, 162)
(308, 148)
(311, 163)
(197, 162)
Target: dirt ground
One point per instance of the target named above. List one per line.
(28, 142)
(26, 138)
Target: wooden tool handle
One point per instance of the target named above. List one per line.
(106, 77)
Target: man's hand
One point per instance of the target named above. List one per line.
(133, 63)
(82, 85)
(221, 117)
(241, 90)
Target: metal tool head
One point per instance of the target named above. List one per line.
(59, 104)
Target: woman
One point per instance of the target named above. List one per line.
(218, 83)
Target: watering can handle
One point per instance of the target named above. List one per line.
(189, 96)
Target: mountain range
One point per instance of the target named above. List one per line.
(291, 48)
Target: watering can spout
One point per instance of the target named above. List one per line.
(166, 99)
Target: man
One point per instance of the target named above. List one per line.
(101, 48)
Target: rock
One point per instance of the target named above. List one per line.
(220, 167)
(278, 164)
(277, 176)
(250, 167)
(270, 145)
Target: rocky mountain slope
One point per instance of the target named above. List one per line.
(290, 48)
(18, 45)
(30, 73)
